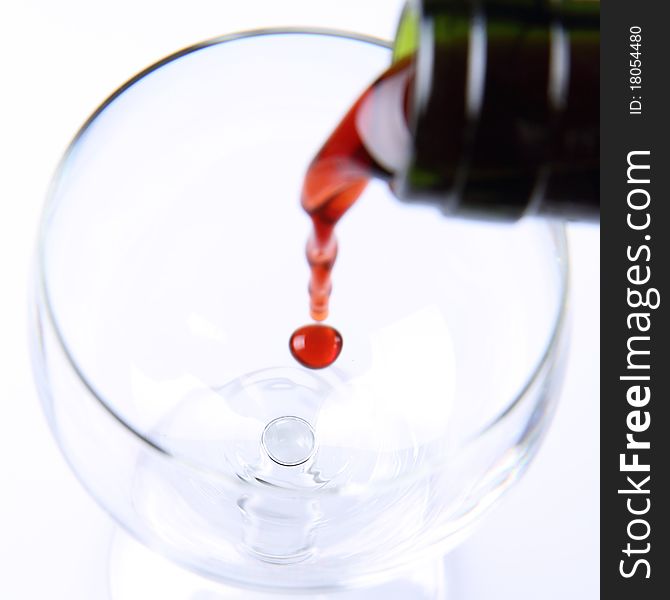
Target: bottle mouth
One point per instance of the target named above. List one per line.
(448, 53)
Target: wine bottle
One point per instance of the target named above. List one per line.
(503, 110)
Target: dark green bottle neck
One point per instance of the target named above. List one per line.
(505, 107)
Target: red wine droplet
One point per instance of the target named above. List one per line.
(316, 346)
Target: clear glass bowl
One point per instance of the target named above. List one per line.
(170, 274)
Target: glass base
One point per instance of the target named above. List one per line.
(137, 573)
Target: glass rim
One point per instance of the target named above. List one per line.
(536, 374)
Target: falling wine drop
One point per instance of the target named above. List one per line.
(316, 346)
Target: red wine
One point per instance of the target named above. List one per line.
(316, 346)
(335, 179)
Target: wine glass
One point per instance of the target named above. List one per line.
(169, 276)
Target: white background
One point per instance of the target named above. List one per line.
(58, 60)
